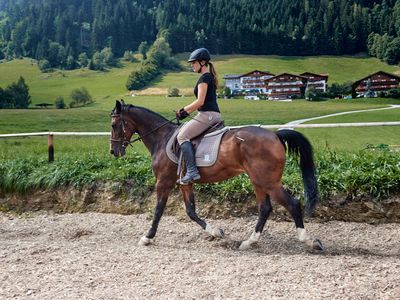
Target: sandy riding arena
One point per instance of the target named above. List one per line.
(96, 256)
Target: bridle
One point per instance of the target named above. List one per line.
(126, 142)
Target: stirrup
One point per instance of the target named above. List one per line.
(188, 180)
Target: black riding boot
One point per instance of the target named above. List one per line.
(190, 160)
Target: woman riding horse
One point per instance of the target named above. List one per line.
(208, 111)
(252, 150)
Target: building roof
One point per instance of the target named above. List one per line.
(315, 74)
(260, 73)
(376, 73)
(283, 74)
(232, 76)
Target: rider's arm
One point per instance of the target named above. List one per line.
(201, 96)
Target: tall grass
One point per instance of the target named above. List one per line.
(365, 173)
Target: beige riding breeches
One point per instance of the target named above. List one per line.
(201, 122)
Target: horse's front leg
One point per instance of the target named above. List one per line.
(188, 196)
(163, 190)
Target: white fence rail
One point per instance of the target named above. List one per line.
(51, 134)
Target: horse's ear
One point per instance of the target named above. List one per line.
(122, 101)
(118, 106)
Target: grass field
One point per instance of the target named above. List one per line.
(46, 87)
(106, 86)
(235, 112)
(340, 69)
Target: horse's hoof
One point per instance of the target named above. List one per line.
(245, 245)
(215, 232)
(144, 241)
(218, 232)
(317, 245)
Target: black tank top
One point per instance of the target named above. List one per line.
(210, 102)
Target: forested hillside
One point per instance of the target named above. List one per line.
(285, 27)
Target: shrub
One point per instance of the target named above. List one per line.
(139, 79)
(81, 96)
(173, 92)
(128, 56)
(44, 65)
(60, 104)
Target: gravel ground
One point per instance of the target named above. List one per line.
(96, 256)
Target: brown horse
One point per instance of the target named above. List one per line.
(253, 150)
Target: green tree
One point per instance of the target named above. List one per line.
(19, 93)
(97, 62)
(143, 48)
(71, 63)
(83, 60)
(392, 54)
(81, 96)
(60, 103)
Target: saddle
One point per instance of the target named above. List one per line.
(206, 145)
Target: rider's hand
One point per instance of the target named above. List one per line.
(181, 114)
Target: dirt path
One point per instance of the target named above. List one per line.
(297, 122)
(96, 256)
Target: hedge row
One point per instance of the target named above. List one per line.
(367, 173)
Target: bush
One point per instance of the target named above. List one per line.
(339, 90)
(393, 93)
(173, 92)
(128, 56)
(81, 97)
(139, 79)
(71, 63)
(312, 94)
(44, 65)
(60, 104)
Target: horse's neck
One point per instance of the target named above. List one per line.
(154, 130)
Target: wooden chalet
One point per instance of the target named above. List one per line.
(318, 81)
(254, 80)
(286, 86)
(376, 82)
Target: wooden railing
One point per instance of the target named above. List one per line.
(50, 135)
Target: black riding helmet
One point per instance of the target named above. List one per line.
(199, 55)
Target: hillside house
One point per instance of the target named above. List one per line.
(376, 82)
(318, 81)
(286, 86)
(251, 81)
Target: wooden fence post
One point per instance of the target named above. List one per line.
(50, 144)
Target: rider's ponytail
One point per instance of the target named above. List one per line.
(214, 74)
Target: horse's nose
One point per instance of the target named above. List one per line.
(112, 151)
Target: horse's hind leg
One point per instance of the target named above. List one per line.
(293, 206)
(188, 196)
(264, 209)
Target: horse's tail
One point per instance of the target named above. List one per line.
(297, 144)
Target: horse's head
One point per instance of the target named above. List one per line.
(121, 131)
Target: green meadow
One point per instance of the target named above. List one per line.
(345, 165)
(235, 112)
(339, 68)
(106, 86)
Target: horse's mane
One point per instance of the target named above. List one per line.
(130, 106)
